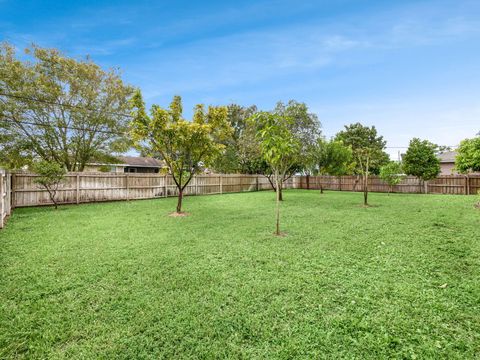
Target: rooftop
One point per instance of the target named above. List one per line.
(140, 161)
(447, 157)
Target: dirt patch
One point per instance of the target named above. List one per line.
(477, 205)
(282, 234)
(178, 214)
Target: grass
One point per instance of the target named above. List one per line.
(124, 280)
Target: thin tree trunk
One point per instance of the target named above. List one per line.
(365, 185)
(179, 203)
(277, 212)
(52, 194)
(365, 191)
(321, 188)
(280, 192)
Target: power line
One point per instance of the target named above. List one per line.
(121, 133)
(64, 127)
(61, 104)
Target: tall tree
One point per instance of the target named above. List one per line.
(332, 158)
(186, 147)
(279, 147)
(421, 160)
(368, 151)
(60, 109)
(242, 151)
(468, 156)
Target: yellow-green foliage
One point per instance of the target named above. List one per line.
(187, 147)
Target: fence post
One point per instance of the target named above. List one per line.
(467, 185)
(308, 181)
(127, 186)
(425, 185)
(78, 189)
(195, 177)
(340, 183)
(221, 183)
(256, 182)
(12, 189)
(165, 186)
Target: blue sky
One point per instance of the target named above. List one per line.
(411, 68)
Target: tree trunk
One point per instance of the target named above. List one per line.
(52, 194)
(277, 212)
(365, 190)
(321, 188)
(280, 192)
(179, 203)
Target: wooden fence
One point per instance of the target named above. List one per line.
(95, 187)
(5, 196)
(447, 184)
(20, 189)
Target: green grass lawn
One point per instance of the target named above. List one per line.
(125, 280)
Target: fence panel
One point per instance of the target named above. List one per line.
(449, 184)
(95, 187)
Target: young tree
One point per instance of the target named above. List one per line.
(368, 151)
(392, 174)
(279, 147)
(50, 176)
(186, 147)
(421, 160)
(59, 109)
(468, 156)
(306, 129)
(332, 158)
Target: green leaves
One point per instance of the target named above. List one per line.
(468, 158)
(421, 160)
(392, 173)
(279, 146)
(187, 147)
(60, 109)
(50, 173)
(332, 158)
(367, 147)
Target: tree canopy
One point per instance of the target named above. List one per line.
(367, 149)
(364, 142)
(420, 159)
(468, 156)
(186, 146)
(60, 109)
(242, 150)
(332, 158)
(50, 175)
(392, 173)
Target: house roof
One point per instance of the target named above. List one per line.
(447, 157)
(139, 161)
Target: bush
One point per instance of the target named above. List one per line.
(51, 174)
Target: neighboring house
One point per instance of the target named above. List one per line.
(447, 163)
(131, 164)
